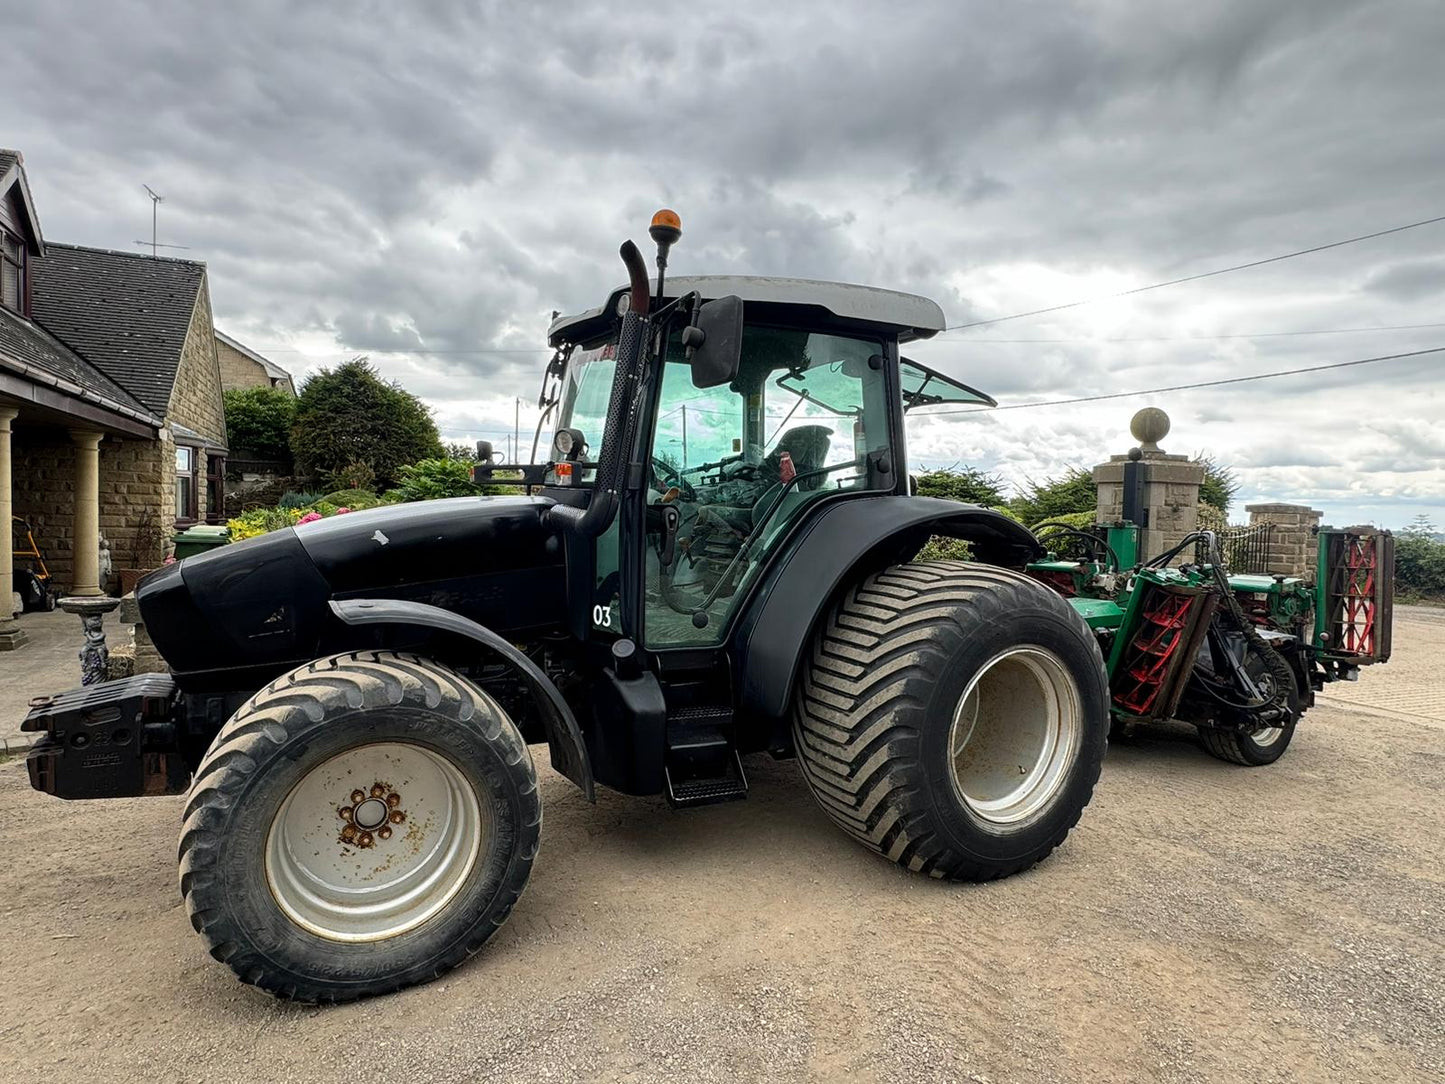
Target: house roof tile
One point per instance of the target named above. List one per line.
(126, 314)
(23, 342)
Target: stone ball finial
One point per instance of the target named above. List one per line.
(1149, 426)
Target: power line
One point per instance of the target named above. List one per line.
(1189, 387)
(1209, 338)
(1201, 275)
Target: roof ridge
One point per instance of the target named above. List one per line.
(128, 255)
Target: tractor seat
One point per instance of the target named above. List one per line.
(807, 445)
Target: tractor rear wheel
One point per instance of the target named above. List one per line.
(953, 717)
(362, 824)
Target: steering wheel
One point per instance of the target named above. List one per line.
(675, 487)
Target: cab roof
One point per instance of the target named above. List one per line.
(908, 316)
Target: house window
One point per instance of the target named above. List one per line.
(215, 489)
(12, 272)
(185, 484)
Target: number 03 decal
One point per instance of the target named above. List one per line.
(602, 616)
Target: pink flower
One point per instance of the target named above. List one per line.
(342, 511)
(309, 517)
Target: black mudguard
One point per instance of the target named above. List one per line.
(564, 736)
(846, 541)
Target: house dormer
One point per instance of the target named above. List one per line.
(20, 237)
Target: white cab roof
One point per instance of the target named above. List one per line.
(913, 316)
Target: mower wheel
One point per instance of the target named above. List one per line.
(1267, 745)
(953, 717)
(362, 824)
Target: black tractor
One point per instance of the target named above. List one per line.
(716, 559)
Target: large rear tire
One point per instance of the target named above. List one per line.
(953, 717)
(362, 824)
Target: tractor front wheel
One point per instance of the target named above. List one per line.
(953, 717)
(362, 824)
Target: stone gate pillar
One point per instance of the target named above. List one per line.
(1170, 486)
(1292, 544)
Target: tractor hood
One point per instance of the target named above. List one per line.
(263, 601)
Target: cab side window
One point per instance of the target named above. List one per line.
(734, 467)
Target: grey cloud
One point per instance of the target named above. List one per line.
(1409, 281)
(416, 181)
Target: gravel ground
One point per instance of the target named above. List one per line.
(1205, 922)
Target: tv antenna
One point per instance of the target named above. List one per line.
(156, 201)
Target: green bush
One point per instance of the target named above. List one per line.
(942, 548)
(1419, 562)
(430, 479)
(355, 499)
(294, 499)
(258, 420)
(349, 418)
(1080, 521)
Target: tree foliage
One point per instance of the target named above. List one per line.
(459, 450)
(969, 485)
(349, 415)
(1220, 484)
(1071, 492)
(258, 420)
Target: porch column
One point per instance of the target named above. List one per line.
(11, 635)
(85, 579)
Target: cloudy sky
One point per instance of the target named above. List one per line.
(425, 183)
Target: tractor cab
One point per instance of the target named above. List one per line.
(806, 408)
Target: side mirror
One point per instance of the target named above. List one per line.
(484, 451)
(714, 342)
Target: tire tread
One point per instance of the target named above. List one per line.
(887, 637)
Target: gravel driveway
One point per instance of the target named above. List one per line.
(1204, 922)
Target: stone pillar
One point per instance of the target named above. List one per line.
(1171, 487)
(11, 635)
(85, 577)
(1292, 544)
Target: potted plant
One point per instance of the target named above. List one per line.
(146, 553)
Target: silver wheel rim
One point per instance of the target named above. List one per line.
(374, 842)
(1266, 736)
(1016, 732)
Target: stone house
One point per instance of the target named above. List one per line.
(242, 367)
(112, 424)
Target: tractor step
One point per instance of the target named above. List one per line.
(706, 790)
(703, 765)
